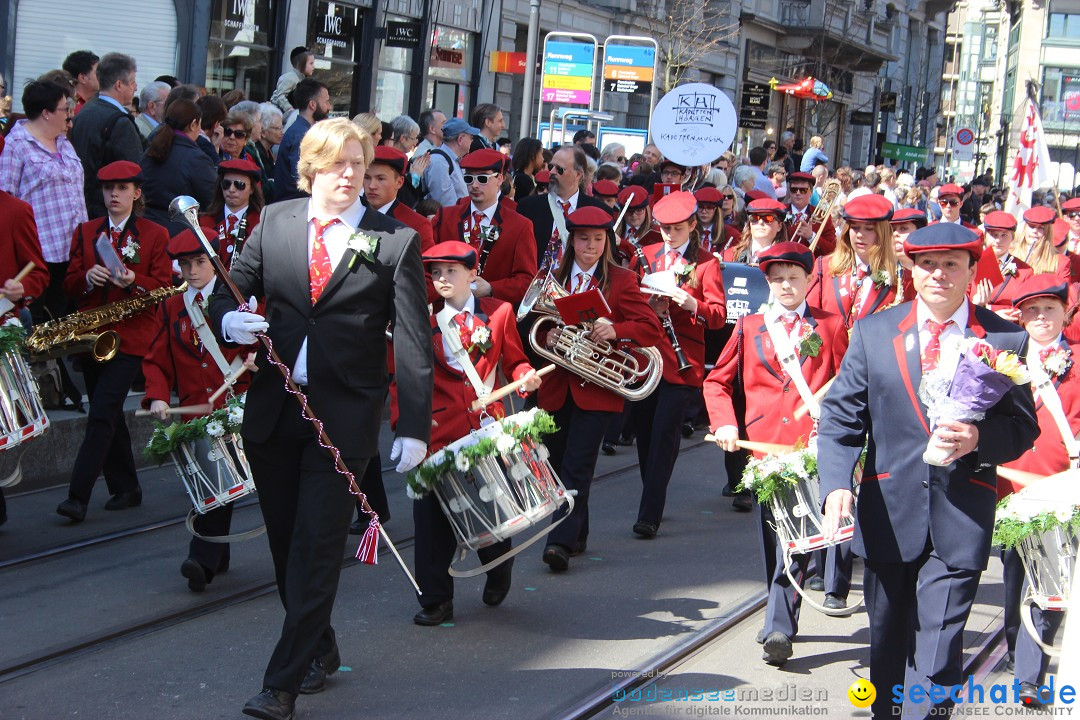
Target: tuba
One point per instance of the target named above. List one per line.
(630, 374)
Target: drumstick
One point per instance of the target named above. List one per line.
(507, 389)
(182, 410)
(753, 446)
(229, 382)
(802, 409)
(1018, 477)
(24, 272)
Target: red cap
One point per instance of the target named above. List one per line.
(186, 243)
(765, 206)
(709, 196)
(943, 236)
(120, 171)
(1045, 285)
(392, 158)
(904, 215)
(451, 251)
(1070, 205)
(486, 159)
(787, 252)
(1061, 232)
(754, 195)
(605, 188)
(635, 196)
(244, 167)
(805, 177)
(868, 208)
(999, 220)
(1040, 215)
(950, 189)
(543, 177)
(675, 207)
(590, 217)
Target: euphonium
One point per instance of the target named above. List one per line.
(632, 375)
(71, 333)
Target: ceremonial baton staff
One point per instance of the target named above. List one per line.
(186, 209)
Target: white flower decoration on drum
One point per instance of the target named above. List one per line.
(412, 494)
(462, 463)
(215, 429)
(505, 443)
(236, 415)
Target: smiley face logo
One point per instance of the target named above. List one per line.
(862, 693)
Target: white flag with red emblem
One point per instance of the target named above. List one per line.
(1031, 167)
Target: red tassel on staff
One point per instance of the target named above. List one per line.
(368, 553)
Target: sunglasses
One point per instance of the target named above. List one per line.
(557, 169)
(238, 184)
(798, 190)
(729, 197)
(764, 219)
(478, 179)
(950, 203)
(1073, 215)
(621, 159)
(238, 134)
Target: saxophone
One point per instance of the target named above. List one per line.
(71, 333)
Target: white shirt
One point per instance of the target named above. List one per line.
(950, 355)
(448, 312)
(385, 209)
(206, 291)
(336, 239)
(1034, 348)
(573, 200)
(119, 227)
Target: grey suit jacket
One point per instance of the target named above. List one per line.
(87, 135)
(345, 329)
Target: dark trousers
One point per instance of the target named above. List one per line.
(734, 464)
(106, 447)
(769, 541)
(621, 424)
(574, 449)
(833, 564)
(658, 426)
(1031, 661)
(917, 612)
(54, 302)
(214, 557)
(306, 506)
(371, 484)
(782, 610)
(3, 506)
(434, 551)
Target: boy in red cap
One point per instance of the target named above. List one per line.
(751, 363)
(234, 211)
(637, 230)
(482, 341)
(999, 230)
(383, 180)
(799, 212)
(185, 356)
(951, 199)
(502, 238)
(139, 264)
(1070, 210)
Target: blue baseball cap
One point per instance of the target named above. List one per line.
(455, 126)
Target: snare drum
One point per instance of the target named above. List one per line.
(214, 471)
(21, 414)
(500, 495)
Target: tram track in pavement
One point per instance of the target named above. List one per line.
(41, 659)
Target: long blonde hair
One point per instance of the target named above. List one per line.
(1042, 256)
(882, 255)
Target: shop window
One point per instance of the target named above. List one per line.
(239, 55)
(334, 32)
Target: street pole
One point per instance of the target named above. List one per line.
(530, 67)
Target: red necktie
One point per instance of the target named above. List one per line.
(474, 232)
(706, 238)
(565, 205)
(116, 232)
(789, 321)
(319, 269)
(932, 352)
(671, 259)
(1047, 352)
(464, 334)
(583, 282)
(232, 226)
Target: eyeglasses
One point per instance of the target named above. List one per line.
(1073, 215)
(621, 158)
(950, 203)
(798, 190)
(478, 179)
(558, 169)
(764, 219)
(238, 134)
(238, 184)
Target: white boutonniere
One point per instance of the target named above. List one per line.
(489, 233)
(480, 339)
(1055, 363)
(362, 246)
(881, 278)
(130, 251)
(683, 268)
(1008, 269)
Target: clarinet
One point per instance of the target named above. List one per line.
(241, 236)
(669, 327)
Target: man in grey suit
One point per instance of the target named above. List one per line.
(151, 108)
(923, 530)
(104, 130)
(332, 276)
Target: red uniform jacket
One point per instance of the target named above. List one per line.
(635, 325)
(1048, 456)
(19, 245)
(1002, 295)
(771, 397)
(690, 329)
(826, 244)
(407, 216)
(152, 271)
(830, 293)
(228, 248)
(178, 360)
(511, 264)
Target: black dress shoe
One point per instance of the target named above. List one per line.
(816, 583)
(195, 574)
(557, 557)
(125, 500)
(321, 668)
(3, 518)
(834, 602)
(435, 615)
(358, 527)
(625, 440)
(727, 491)
(760, 637)
(777, 649)
(497, 585)
(742, 503)
(73, 509)
(608, 448)
(1029, 695)
(271, 704)
(645, 529)
(1010, 663)
(579, 549)
(687, 429)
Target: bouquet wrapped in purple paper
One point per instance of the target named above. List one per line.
(982, 377)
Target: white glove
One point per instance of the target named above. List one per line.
(240, 327)
(411, 451)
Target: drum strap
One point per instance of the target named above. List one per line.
(557, 217)
(206, 337)
(789, 359)
(450, 335)
(222, 539)
(1045, 391)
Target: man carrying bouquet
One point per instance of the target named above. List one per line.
(923, 530)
